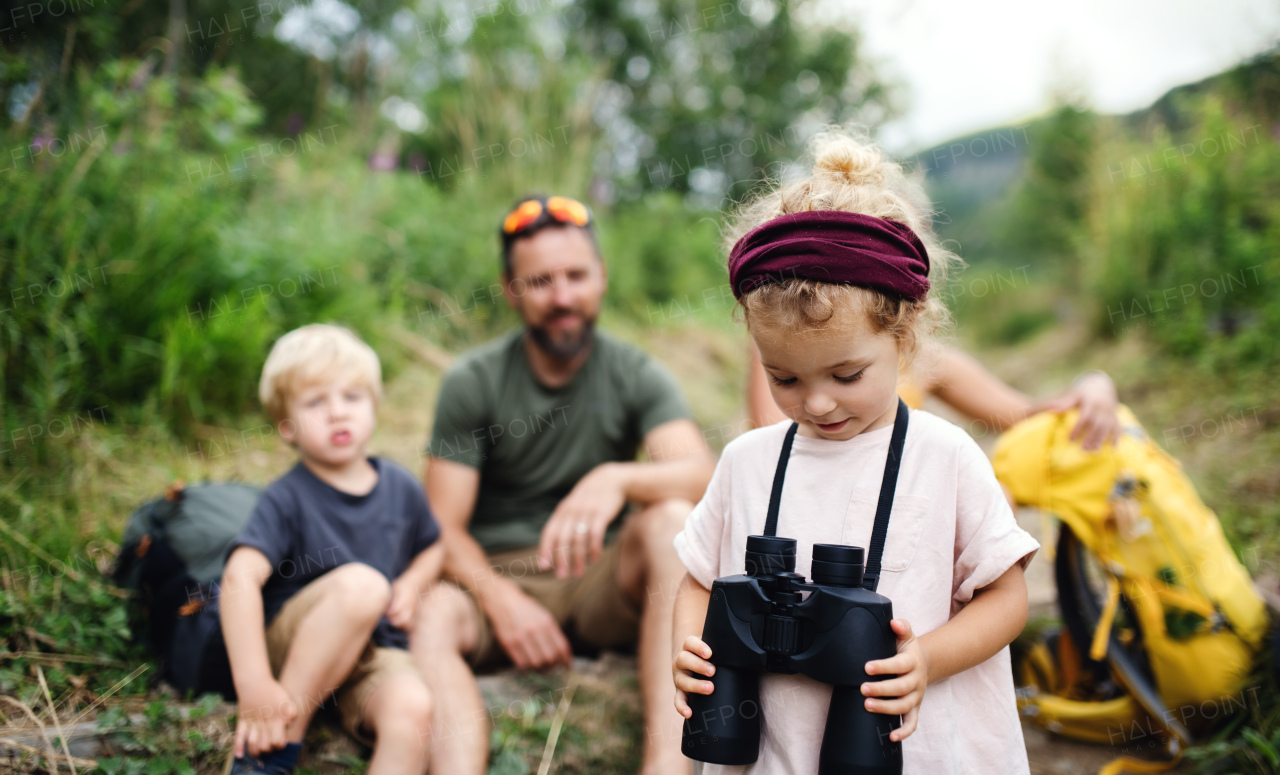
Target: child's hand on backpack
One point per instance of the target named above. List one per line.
(263, 714)
(689, 662)
(906, 691)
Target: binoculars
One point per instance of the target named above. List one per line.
(763, 622)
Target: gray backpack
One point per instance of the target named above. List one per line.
(172, 554)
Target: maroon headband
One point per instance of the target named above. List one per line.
(832, 246)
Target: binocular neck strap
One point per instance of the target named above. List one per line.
(880, 530)
(775, 497)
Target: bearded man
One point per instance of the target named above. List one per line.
(558, 540)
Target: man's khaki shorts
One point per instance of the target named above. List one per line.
(376, 664)
(593, 610)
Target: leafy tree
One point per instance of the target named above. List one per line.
(1047, 211)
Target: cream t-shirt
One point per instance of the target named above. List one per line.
(951, 532)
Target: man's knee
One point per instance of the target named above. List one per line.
(663, 520)
(359, 591)
(447, 619)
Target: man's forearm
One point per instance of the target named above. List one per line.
(468, 565)
(685, 477)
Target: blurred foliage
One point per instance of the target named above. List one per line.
(1045, 216)
(71, 629)
(185, 180)
(1184, 236)
(1164, 221)
(153, 260)
(687, 95)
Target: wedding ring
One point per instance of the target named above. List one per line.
(582, 528)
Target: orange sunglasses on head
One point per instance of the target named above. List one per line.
(560, 208)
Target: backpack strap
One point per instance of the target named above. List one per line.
(880, 530)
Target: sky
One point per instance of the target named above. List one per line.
(967, 65)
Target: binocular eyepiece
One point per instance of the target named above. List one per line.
(762, 623)
(833, 564)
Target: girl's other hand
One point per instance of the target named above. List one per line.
(905, 692)
(691, 660)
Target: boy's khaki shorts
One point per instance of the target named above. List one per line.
(593, 610)
(376, 664)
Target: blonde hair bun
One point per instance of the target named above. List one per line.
(839, 158)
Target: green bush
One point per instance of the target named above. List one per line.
(1185, 237)
(155, 266)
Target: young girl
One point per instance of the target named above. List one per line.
(833, 275)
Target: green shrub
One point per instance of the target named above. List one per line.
(1185, 237)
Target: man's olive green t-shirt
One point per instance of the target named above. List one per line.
(532, 443)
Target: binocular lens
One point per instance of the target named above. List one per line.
(770, 554)
(836, 565)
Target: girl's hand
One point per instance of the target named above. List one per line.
(691, 660)
(907, 690)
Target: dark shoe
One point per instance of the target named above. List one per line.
(280, 762)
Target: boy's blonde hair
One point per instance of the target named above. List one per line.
(848, 173)
(313, 355)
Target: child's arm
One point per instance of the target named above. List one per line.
(409, 587)
(988, 623)
(264, 708)
(691, 654)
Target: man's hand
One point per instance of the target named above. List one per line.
(263, 712)
(403, 608)
(574, 535)
(527, 631)
(1095, 395)
(907, 690)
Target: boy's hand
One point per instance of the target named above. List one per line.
(907, 690)
(402, 611)
(263, 713)
(691, 660)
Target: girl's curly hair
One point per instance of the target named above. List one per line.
(848, 173)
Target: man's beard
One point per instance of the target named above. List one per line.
(565, 350)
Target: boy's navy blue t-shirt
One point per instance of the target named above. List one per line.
(306, 528)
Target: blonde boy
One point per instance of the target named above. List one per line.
(322, 585)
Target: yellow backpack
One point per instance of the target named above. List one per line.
(1147, 582)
